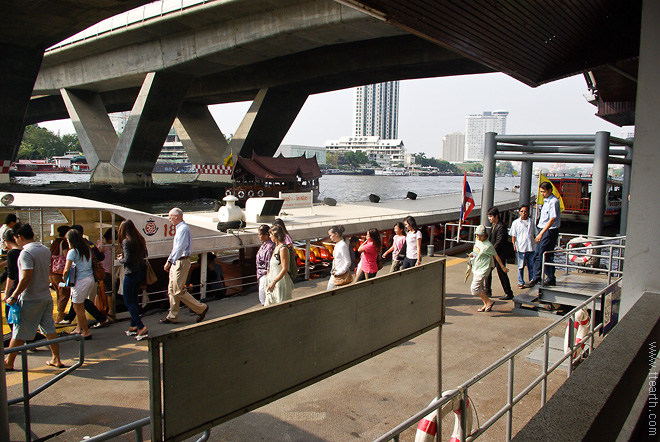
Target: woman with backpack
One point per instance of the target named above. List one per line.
(280, 284)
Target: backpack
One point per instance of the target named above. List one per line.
(293, 265)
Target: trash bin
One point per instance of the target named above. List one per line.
(430, 249)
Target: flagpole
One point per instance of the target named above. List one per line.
(460, 215)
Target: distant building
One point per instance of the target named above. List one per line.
(292, 151)
(475, 129)
(453, 147)
(384, 152)
(376, 111)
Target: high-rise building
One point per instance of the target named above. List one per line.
(475, 132)
(376, 111)
(453, 147)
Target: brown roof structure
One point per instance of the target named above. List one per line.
(266, 168)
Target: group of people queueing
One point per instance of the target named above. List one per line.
(529, 242)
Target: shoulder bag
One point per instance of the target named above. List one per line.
(149, 275)
(57, 262)
(344, 279)
(99, 271)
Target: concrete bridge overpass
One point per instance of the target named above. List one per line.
(168, 68)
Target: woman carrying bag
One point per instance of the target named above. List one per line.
(341, 273)
(134, 249)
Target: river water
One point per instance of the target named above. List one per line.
(343, 188)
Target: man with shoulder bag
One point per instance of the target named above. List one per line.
(500, 239)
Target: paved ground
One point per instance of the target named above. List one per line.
(360, 404)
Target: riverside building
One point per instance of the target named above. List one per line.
(476, 127)
(376, 111)
(453, 147)
(386, 153)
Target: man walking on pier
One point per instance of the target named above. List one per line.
(178, 266)
(549, 222)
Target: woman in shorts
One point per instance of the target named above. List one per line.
(481, 256)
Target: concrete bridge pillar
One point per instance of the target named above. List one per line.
(19, 67)
(270, 117)
(203, 141)
(96, 134)
(150, 121)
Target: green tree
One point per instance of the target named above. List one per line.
(71, 142)
(356, 159)
(332, 159)
(504, 168)
(40, 143)
(477, 167)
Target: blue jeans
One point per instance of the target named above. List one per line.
(408, 262)
(547, 244)
(525, 259)
(131, 289)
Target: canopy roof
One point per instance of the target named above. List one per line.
(266, 168)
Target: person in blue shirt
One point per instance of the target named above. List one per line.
(178, 266)
(546, 240)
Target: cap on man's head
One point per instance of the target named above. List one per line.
(481, 230)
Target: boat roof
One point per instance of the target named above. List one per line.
(277, 169)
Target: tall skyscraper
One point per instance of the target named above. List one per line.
(453, 147)
(475, 129)
(376, 110)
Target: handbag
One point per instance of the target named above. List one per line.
(57, 262)
(14, 314)
(99, 271)
(149, 275)
(344, 279)
(402, 253)
(379, 261)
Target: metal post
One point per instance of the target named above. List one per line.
(488, 181)
(307, 252)
(203, 271)
(4, 408)
(439, 393)
(26, 396)
(599, 184)
(526, 182)
(546, 357)
(627, 173)
(571, 342)
(509, 402)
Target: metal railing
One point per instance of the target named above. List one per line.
(137, 428)
(27, 394)
(461, 392)
(614, 256)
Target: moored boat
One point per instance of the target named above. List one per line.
(576, 194)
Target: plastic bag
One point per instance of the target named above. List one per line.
(14, 314)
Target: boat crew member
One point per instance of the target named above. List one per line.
(178, 266)
(549, 222)
(522, 234)
(500, 240)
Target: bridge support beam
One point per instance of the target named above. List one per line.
(270, 117)
(19, 67)
(97, 137)
(203, 141)
(150, 121)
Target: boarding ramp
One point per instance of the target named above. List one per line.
(204, 375)
(585, 264)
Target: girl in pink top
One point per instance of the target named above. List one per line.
(370, 250)
(397, 244)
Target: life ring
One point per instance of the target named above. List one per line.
(260, 192)
(581, 326)
(227, 192)
(241, 194)
(580, 242)
(250, 193)
(428, 427)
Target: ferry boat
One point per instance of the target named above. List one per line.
(576, 194)
(70, 162)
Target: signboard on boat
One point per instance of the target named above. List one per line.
(297, 200)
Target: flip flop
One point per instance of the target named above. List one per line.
(50, 364)
(486, 308)
(11, 369)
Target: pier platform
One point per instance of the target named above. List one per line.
(358, 404)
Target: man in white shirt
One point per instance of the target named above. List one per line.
(522, 234)
(178, 266)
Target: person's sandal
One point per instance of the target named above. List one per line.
(142, 335)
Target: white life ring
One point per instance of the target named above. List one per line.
(581, 326)
(260, 192)
(428, 427)
(250, 193)
(227, 192)
(580, 242)
(241, 194)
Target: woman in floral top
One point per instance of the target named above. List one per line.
(263, 261)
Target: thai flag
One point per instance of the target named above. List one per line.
(467, 203)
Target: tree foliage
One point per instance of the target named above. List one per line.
(504, 168)
(40, 143)
(356, 159)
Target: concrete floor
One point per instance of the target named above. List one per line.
(360, 404)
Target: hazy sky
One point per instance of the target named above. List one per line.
(431, 108)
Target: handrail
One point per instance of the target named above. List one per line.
(27, 395)
(136, 427)
(463, 389)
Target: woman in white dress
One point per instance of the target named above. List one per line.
(80, 257)
(341, 262)
(280, 285)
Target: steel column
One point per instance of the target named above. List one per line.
(526, 182)
(488, 193)
(599, 184)
(627, 173)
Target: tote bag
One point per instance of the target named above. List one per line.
(149, 276)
